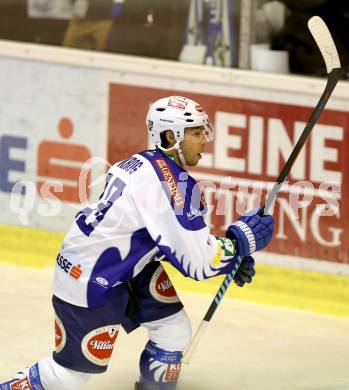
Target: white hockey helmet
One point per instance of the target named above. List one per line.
(176, 113)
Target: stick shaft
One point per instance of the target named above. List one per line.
(196, 339)
(333, 77)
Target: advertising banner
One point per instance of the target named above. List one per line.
(61, 125)
(52, 142)
(253, 139)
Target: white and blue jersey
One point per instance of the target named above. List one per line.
(150, 207)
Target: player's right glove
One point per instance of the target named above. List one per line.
(252, 232)
(246, 272)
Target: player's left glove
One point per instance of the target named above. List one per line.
(252, 232)
(245, 272)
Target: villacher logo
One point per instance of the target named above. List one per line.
(161, 287)
(97, 346)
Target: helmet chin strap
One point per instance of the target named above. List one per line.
(177, 147)
(181, 156)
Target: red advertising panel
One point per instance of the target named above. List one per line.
(253, 139)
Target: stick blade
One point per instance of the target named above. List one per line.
(324, 40)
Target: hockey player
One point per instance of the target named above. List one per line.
(108, 274)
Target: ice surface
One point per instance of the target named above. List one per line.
(246, 347)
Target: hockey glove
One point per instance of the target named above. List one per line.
(252, 232)
(245, 272)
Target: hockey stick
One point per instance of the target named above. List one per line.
(329, 53)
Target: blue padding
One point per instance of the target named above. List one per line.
(163, 356)
(159, 368)
(34, 378)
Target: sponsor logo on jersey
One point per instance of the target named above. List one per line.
(161, 287)
(170, 181)
(22, 384)
(172, 372)
(97, 346)
(193, 213)
(74, 271)
(102, 281)
(60, 335)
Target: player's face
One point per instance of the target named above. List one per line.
(193, 144)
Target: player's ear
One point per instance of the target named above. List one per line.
(170, 137)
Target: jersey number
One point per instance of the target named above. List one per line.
(89, 218)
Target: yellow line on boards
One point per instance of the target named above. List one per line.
(272, 285)
(29, 247)
(280, 286)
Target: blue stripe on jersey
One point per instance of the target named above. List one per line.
(110, 268)
(182, 190)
